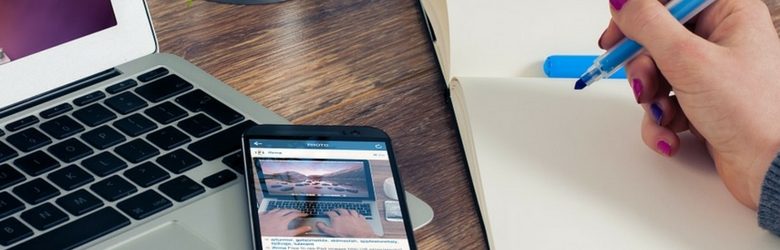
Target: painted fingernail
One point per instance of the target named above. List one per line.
(637, 86)
(617, 4)
(664, 148)
(658, 113)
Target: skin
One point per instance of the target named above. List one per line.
(347, 224)
(276, 223)
(724, 70)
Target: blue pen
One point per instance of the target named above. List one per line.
(572, 66)
(624, 51)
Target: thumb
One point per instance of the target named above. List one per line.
(650, 24)
(326, 229)
(301, 230)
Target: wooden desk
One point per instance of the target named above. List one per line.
(340, 62)
(343, 62)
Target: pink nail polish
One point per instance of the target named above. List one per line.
(664, 148)
(617, 4)
(637, 86)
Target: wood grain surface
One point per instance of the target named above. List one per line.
(344, 62)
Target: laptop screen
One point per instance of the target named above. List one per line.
(28, 27)
(298, 178)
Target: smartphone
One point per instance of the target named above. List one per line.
(321, 187)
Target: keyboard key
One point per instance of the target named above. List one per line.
(166, 112)
(103, 137)
(79, 202)
(121, 86)
(36, 163)
(154, 74)
(6, 152)
(89, 98)
(21, 123)
(219, 179)
(136, 151)
(125, 103)
(94, 115)
(197, 101)
(11, 231)
(181, 188)
(199, 125)
(62, 127)
(9, 205)
(147, 174)
(222, 143)
(113, 188)
(144, 205)
(235, 161)
(35, 191)
(44, 216)
(135, 125)
(70, 150)
(168, 138)
(78, 232)
(178, 161)
(9, 176)
(56, 110)
(28, 140)
(70, 177)
(104, 164)
(163, 88)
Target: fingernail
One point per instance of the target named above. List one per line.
(617, 4)
(658, 113)
(664, 148)
(637, 86)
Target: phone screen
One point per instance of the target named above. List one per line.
(325, 194)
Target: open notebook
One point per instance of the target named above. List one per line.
(555, 168)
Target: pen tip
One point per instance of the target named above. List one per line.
(580, 84)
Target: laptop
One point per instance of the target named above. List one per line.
(107, 144)
(316, 187)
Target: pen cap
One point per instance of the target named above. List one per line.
(573, 66)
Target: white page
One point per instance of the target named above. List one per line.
(512, 38)
(562, 169)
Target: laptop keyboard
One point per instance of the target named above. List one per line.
(127, 145)
(319, 208)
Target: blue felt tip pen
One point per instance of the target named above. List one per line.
(572, 66)
(627, 49)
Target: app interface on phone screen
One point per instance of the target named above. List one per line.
(324, 195)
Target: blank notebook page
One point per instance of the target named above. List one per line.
(567, 169)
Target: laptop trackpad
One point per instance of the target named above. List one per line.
(171, 235)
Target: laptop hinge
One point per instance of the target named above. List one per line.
(58, 92)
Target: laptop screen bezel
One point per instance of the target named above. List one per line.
(132, 38)
(366, 169)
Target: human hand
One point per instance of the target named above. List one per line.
(347, 223)
(276, 222)
(724, 72)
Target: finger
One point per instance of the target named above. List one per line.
(285, 212)
(301, 230)
(612, 35)
(661, 140)
(332, 214)
(644, 78)
(326, 229)
(296, 214)
(661, 111)
(275, 210)
(649, 23)
(342, 211)
(679, 122)
(353, 213)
